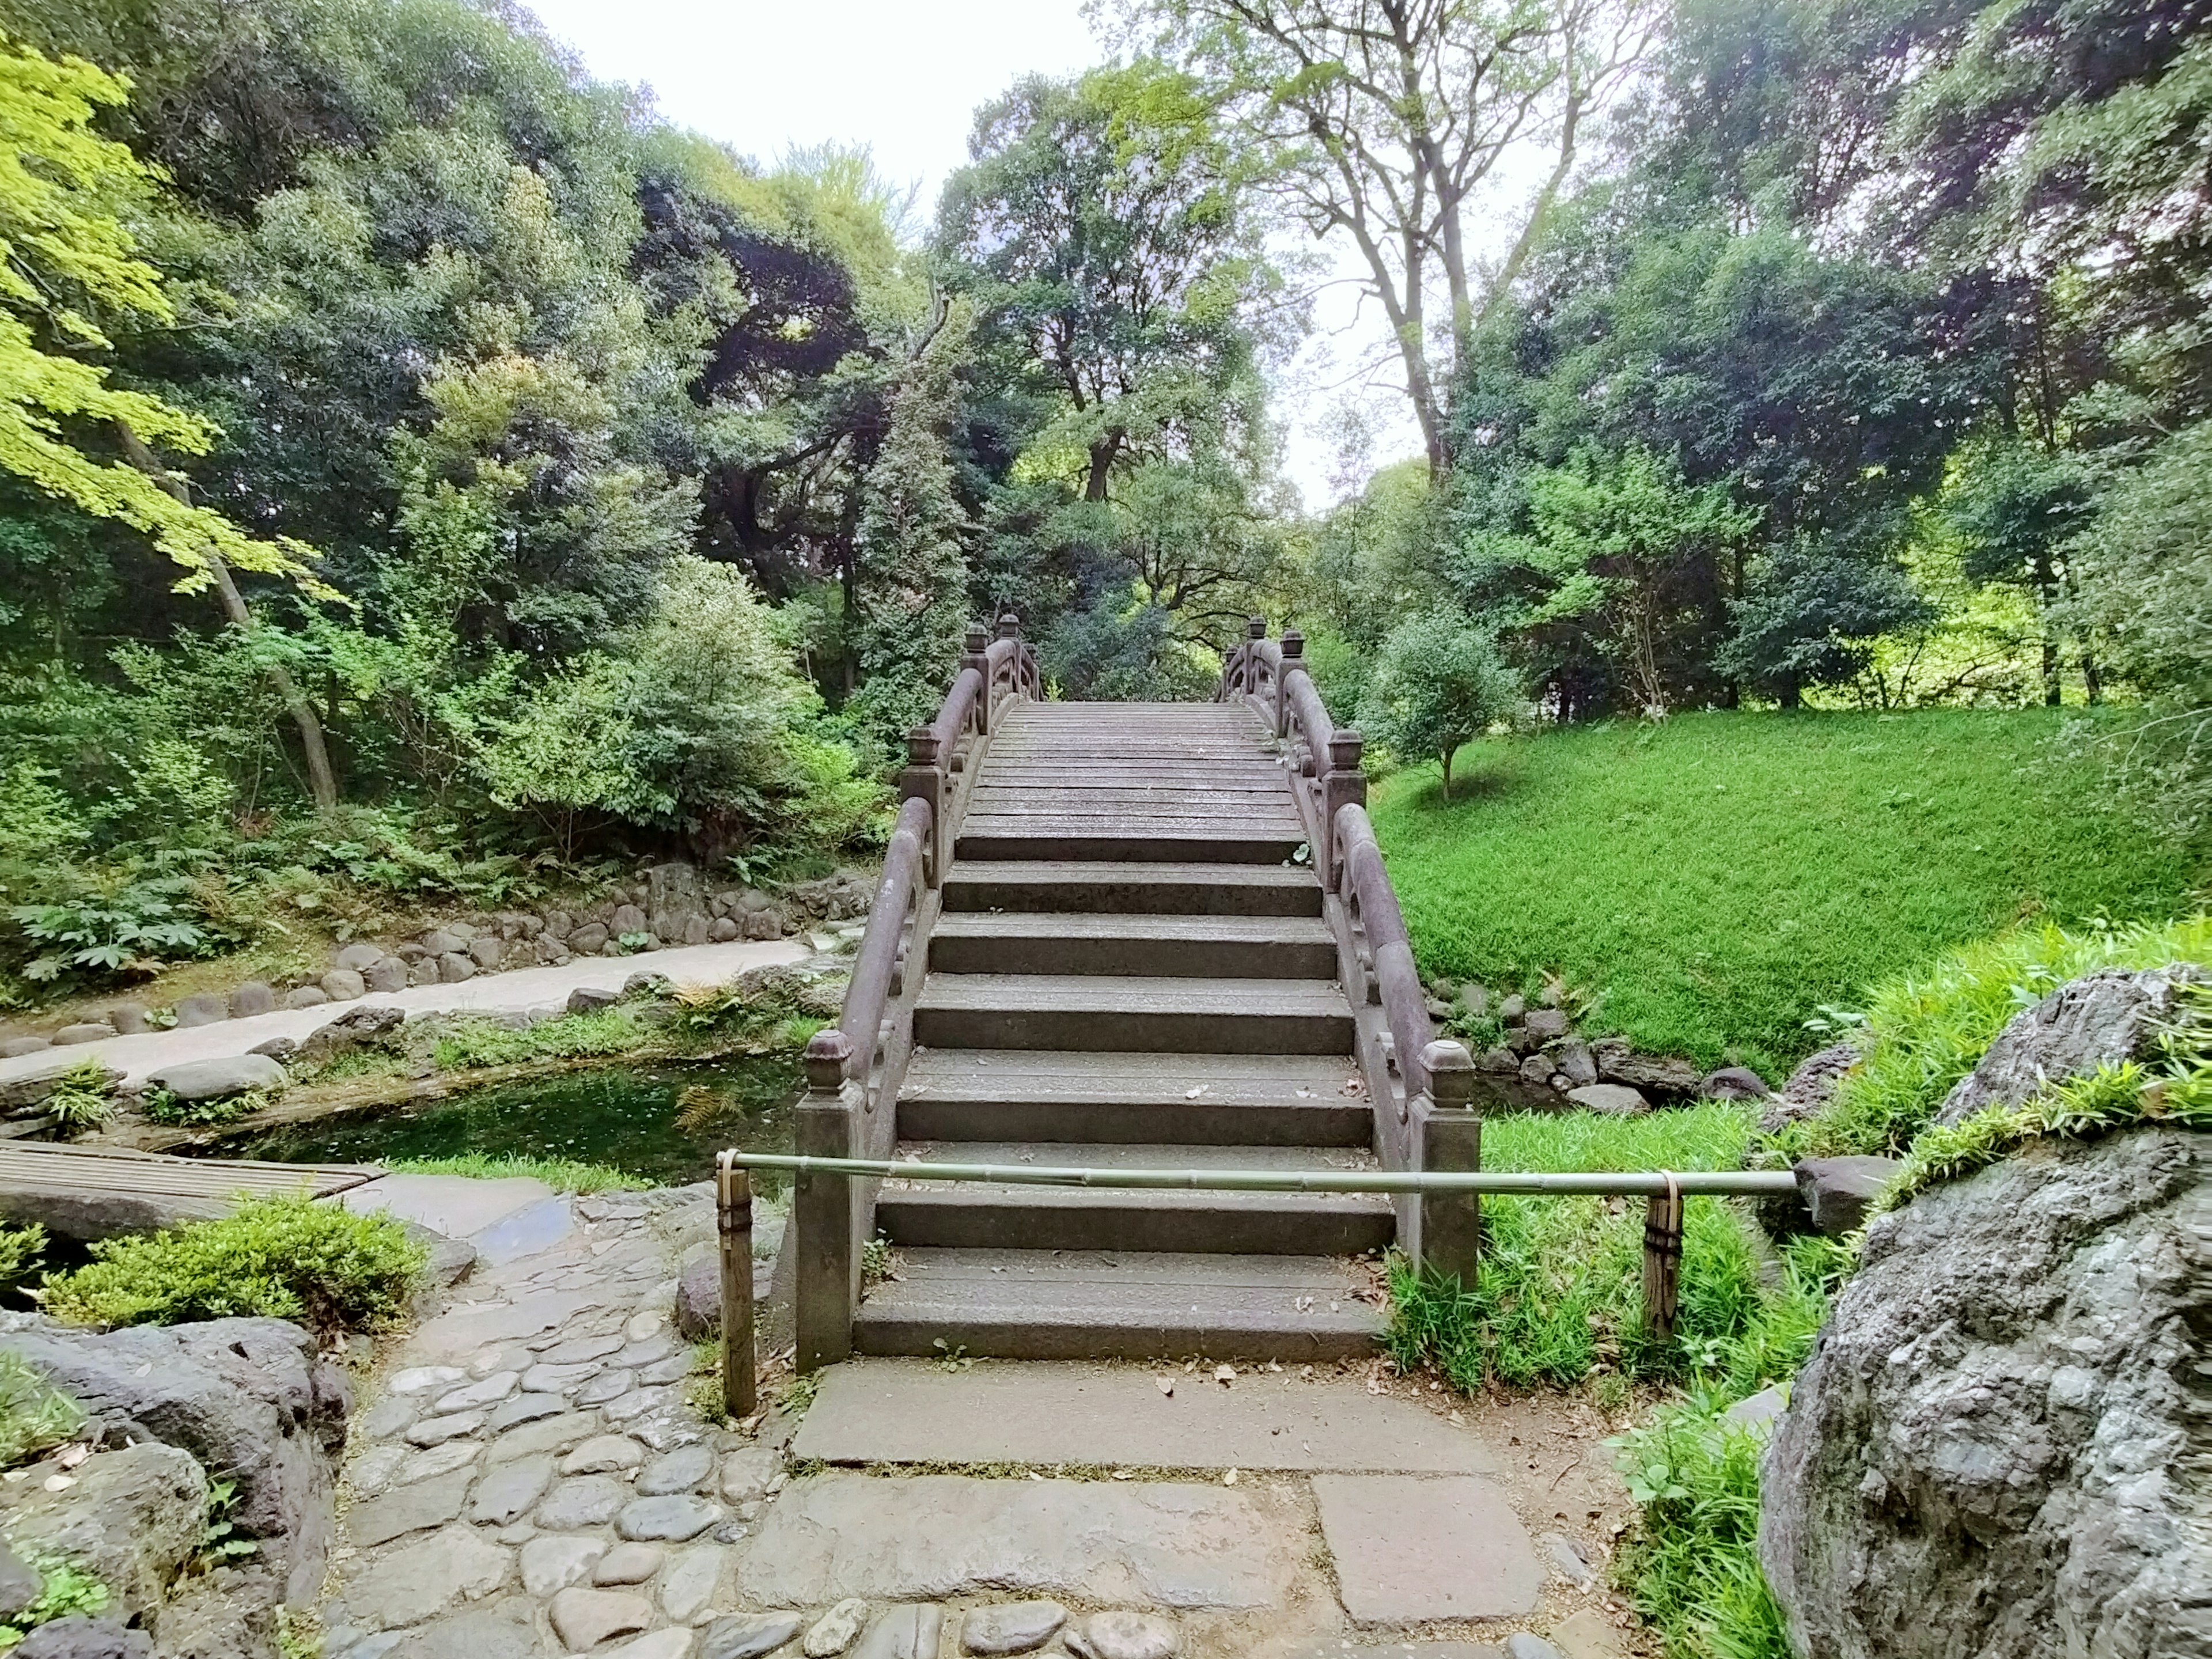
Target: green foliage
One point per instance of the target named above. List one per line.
(283, 1257)
(64, 1588)
(21, 1248)
(34, 1415)
(1439, 685)
(1692, 1564)
(80, 1101)
(164, 1108)
(1557, 1294)
(563, 1175)
(1711, 882)
(1926, 1028)
(467, 1044)
(114, 926)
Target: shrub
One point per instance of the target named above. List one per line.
(34, 1414)
(1692, 1567)
(1439, 685)
(284, 1256)
(63, 1589)
(20, 1250)
(162, 1107)
(81, 1100)
(469, 1043)
(114, 924)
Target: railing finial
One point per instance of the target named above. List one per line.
(1294, 645)
(827, 1053)
(976, 638)
(1010, 625)
(923, 746)
(1255, 627)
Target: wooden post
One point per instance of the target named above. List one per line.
(826, 1209)
(1444, 1132)
(733, 1214)
(1663, 1258)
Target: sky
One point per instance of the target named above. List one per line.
(903, 77)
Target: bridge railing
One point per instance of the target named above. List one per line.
(855, 1068)
(1420, 1089)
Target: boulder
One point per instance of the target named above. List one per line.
(444, 941)
(1995, 1449)
(590, 999)
(672, 897)
(129, 1018)
(423, 971)
(560, 923)
(722, 931)
(764, 924)
(454, 967)
(214, 1079)
(1547, 1024)
(360, 956)
(20, 1584)
(203, 1008)
(306, 996)
(79, 1637)
(2108, 1016)
(248, 1398)
(132, 1518)
(16, 1048)
(697, 929)
(698, 1311)
(1810, 1087)
(252, 998)
(343, 985)
(19, 1095)
(384, 975)
(487, 951)
(1839, 1191)
(1537, 1069)
(627, 918)
(281, 1049)
(1612, 1099)
(1576, 1062)
(87, 1031)
(370, 1025)
(1514, 1009)
(588, 940)
(1654, 1074)
(1732, 1083)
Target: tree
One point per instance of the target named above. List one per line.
(1438, 684)
(1101, 228)
(66, 259)
(1391, 123)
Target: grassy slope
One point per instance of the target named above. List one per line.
(1714, 880)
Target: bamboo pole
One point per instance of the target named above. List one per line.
(1630, 1184)
(733, 1214)
(1663, 1258)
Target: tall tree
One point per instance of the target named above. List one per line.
(1393, 123)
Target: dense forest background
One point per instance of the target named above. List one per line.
(422, 468)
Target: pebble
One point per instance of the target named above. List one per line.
(525, 1408)
(908, 1632)
(488, 1392)
(506, 1494)
(749, 1635)
(1010, 1626)
(607, 1385)
(552, 1564)
(583, 1618)
(688, 1584)
(604, 1454)
(681, 1470)
(437, 1459)
(673, 1517)
(1123, 1635)
(436, 1431)
(835, 1629)
(421, 1379)
(627, 1563)
(587, 1500)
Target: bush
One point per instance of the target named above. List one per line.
(34, 1414)
(283, 1257)
(1693, 1567)
(1439, 685)
(164, 1108)
(21, 1248)
(1926, 1029)
(81, 1100)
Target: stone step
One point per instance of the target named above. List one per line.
(1193, 835)
(1094, 1013)
(1121, 1304)
(1180, 947)
(1023, 1094)
(988, 1216)
(1133, 888)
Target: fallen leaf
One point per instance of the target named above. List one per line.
(1166, 1384)
(60, 1482)
(69, 1457)
(1225, 1374)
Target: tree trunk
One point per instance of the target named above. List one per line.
(1103, 449)
(1447, 760)
(2093, 678)
(322, 781)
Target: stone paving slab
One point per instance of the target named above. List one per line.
(914, 1412)
(525, 988)
(504, 1220)
(1167, 1544)
(1409, 1549)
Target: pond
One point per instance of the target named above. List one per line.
(661, 1122)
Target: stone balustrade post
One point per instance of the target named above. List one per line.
(1344, 784)
(924, 779)
(1442, 1231)
(829, 1213)
(972, 646)
(1294, 662)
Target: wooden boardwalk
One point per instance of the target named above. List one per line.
(1113, 934)
(85, 1194)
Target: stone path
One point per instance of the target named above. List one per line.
(528, 1476)
(524, 988)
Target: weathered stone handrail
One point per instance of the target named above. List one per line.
(898, 895)
(1390, 955)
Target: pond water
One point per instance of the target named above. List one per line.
(662, 1122)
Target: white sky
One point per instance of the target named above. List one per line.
(903, 77)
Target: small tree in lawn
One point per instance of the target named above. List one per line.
(1438, 682)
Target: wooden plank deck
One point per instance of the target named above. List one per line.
(41, 1167)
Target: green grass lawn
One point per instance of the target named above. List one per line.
(1712, 881)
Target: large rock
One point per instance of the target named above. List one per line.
(79, 1637)
(1839, 1191)
(1810, 1087)
(627, 918)
(247, 1397)
(343, 985)
(131, 1518)
(672, 899)
(1997, 1447)
(373, 1024)
(216, 1080)
(23, 1094)
(386, 974)
(698, 1310)
(203, 1008)
(1656, 1074)
(2113, 1016)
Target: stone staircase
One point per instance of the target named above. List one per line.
(1130, 967)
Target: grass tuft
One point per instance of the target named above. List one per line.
(1712, 882)
(563, 1174)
